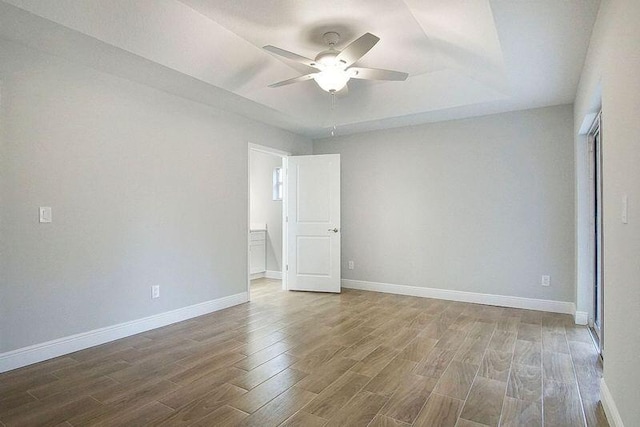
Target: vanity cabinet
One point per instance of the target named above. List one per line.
(258, 251)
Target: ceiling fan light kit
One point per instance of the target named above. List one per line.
(334, 66)
(332, 79)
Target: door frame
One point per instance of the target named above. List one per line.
(284, 156)
(597, 231)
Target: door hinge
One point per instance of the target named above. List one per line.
(287, 267)
(286, 218)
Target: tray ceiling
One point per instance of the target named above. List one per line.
(464, 58)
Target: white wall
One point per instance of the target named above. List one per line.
(480, 205)
(146, 188)
(588, 102)
(264, 209)
(613, 66)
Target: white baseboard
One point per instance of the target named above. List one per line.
(37, 353)
(472, 297)
(273, 274)
(582, 318)
(269, 274)
(609, 406)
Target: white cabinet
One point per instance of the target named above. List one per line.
(258, 251)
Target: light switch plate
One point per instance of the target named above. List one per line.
(45, 214)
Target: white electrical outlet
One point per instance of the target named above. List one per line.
(45, 214)
(351, 265)
(545, 281)
(155, 291)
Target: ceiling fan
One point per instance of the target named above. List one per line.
(335, 67)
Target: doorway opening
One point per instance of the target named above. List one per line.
(597, 315)
(266, 227)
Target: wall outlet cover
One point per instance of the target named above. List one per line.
(45, 214)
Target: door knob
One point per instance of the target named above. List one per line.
(335, 230)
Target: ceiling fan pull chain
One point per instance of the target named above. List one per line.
(333, 115)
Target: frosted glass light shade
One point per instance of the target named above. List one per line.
(331, 79)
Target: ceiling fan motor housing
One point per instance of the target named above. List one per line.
(327, 58)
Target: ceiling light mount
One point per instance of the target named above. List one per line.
(331, 38)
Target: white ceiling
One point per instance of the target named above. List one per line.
(464, 57)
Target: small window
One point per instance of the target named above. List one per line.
(277, 184)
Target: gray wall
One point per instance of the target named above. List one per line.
(480, 205)
(264, 209)
(146, 189)
(611, 74)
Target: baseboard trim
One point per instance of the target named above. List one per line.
(609, 406)
(472, 297)
(254, 276)
(273, 274)
(582, 318)
(37, 353)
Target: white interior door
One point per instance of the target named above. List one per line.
(313, 214)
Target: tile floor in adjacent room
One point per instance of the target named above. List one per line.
(309, 359)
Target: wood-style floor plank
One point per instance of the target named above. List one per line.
(185, 394)
(527, 353)
(390, 377)
(336, 395)
(313, 359)
(456, 380)
(517, 413)
(484, 403)
(558, 367)
(407, 401)
(42, 414)
(435, 363)
(496, 365)
(226, 416)
(525, 382)
(417, 349)
(503, 341)
(304, 419)
(562, 406)
(203, 406)
(439, 411)
(263, 372)
(279, 409)
(360, 410)
(384, 421)
(268, 390)
(375, 362)
(330, 373)
(149, 414)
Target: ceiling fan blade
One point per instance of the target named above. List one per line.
(376, 74)
(294, 80)
(292, 56)
(357, 49)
